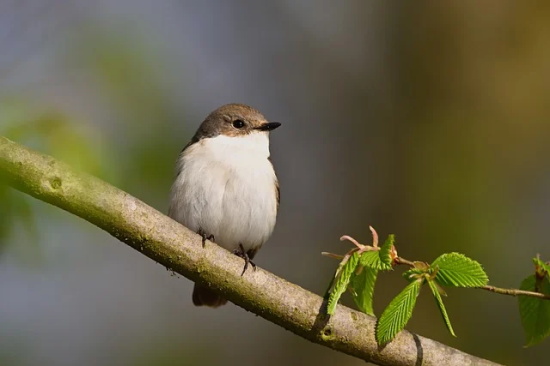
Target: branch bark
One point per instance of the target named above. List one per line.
(179, 249)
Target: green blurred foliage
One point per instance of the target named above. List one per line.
(13, 208)
(535, 313)
(52, 133)
(130, 73)
(134, 159)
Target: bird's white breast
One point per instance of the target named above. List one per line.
(227, 188)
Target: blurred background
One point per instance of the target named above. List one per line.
(427, 120)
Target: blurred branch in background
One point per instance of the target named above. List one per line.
(180, 250)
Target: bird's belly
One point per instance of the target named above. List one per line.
(248, 215)
(237, 206)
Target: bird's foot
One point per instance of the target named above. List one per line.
(240, 252)
(204, 237)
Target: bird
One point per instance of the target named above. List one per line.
(226, 188)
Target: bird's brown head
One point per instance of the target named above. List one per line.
(234, 120)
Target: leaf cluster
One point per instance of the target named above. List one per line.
(359, 270)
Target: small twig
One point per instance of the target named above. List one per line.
(496, 290)
(515, 292)
(399, 260)
(332, 255)
(361, 248)
(374, 237)
(352, 240)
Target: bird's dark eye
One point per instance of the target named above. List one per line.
(238, 123)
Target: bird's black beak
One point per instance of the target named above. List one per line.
(268, 126)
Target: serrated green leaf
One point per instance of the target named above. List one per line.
(397, 313)
(441, 306)
(534, 313)
(341, 281)
(362, 284)
(457, 270)
(370, 259)
(373, 260)
(379, 259)
(385, 251)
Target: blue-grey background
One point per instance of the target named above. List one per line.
(429, 120)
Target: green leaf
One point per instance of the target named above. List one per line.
(379, 259)
(457, 270)
(441, 306)
(397, 313)
(373, 260)
(535, 313)
(362, 284)
(370, 259)
(341, 281)
(385, 251)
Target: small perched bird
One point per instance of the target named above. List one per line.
(226, 188)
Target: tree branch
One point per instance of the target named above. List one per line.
(179, 249)
(515, 292)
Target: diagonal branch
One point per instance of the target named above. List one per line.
(179, 249)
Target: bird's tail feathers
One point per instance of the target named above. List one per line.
(203, 296)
